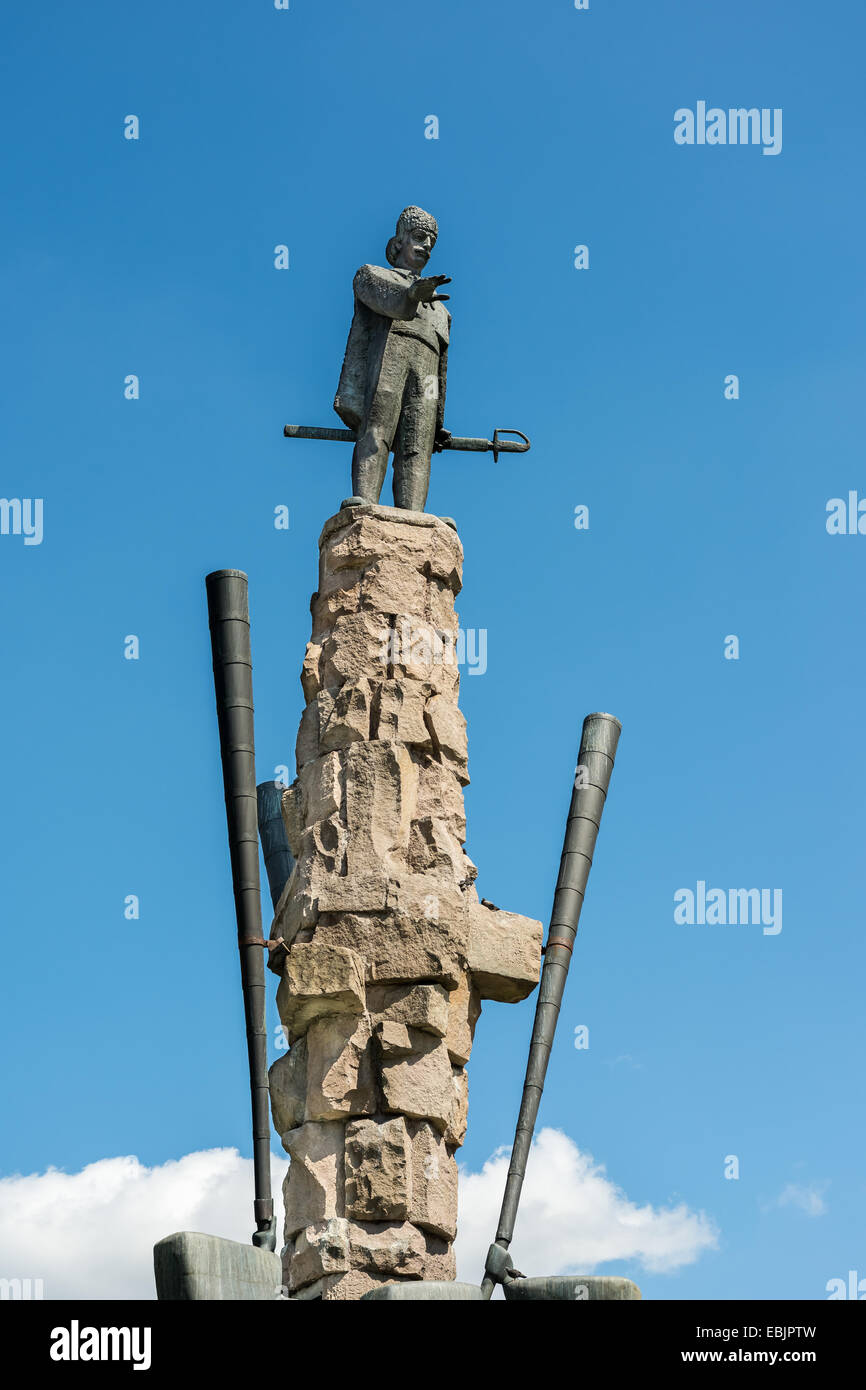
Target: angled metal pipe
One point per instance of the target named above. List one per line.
(278, 858)
(229, 619)
(598, 745)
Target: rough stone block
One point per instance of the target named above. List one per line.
(320, 789)
(398, 713)
(361, 537)
(504, 954)
(378, 1168)
(457, 1121)
(433, 1198)
(356, 646)
(292, 808)
(381, 785)
(319, 980)
(319, 1249)
(464, 1008)
(440, 1261)
(310, 671)
(422, 652)
(350, 1286)
(348, 719)
(440, 796)
(417, 1006)
(448, 731)
(433, 851)
(396, 1249)
(402, 945)
(421, 1085)
(340, 1074)
(394, 1040)
(307, 742)
(314, 1187)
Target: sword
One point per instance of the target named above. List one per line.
(497, 445)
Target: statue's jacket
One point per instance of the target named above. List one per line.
(384, 314)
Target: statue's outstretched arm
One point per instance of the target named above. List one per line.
(384, 292)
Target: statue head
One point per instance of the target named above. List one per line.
(414, 239)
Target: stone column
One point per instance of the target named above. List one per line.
(387, 950)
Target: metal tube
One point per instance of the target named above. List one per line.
(597, 752)
(228, 615)
(278, 858)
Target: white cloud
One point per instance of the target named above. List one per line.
(807, 1197)
(572, 1218)
(91, 1234)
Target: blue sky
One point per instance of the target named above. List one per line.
(707, 518)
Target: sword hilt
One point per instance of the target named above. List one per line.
(497, 445)
(508, 446)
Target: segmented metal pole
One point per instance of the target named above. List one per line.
(278, 858)
(594, 765)
(229, 617)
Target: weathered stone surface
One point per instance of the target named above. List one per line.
(310, 1291)
(348, 718)
(394, 1040)
(307, 742)
(320, 785)
(319, 980)
(356, 646)
(398, 713)
(340, 1073)
(448, 731)
(350, 1286)
(320, 862)
(421, 651)
(287, 1081)
(434, 852)
(318, 1249)
(421, 1085)
(378, 1170)
(390, 586)
(411, 540)
(433, 1198)
(440, 796)
(464, 1008)
(314, 1186)
(457, 1120)
(396, 1249)
(504, 953)
(381, 785)
(310, 671)
(440, 1261)
(292, 808)
(417, 1006)
(402, 945)
(315, 889)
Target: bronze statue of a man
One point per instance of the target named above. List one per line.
(392, 386)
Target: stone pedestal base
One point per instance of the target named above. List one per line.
(387, 950)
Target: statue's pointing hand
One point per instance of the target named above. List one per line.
(423, 291)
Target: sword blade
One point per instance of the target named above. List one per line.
(316, 432)
(464, 443)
